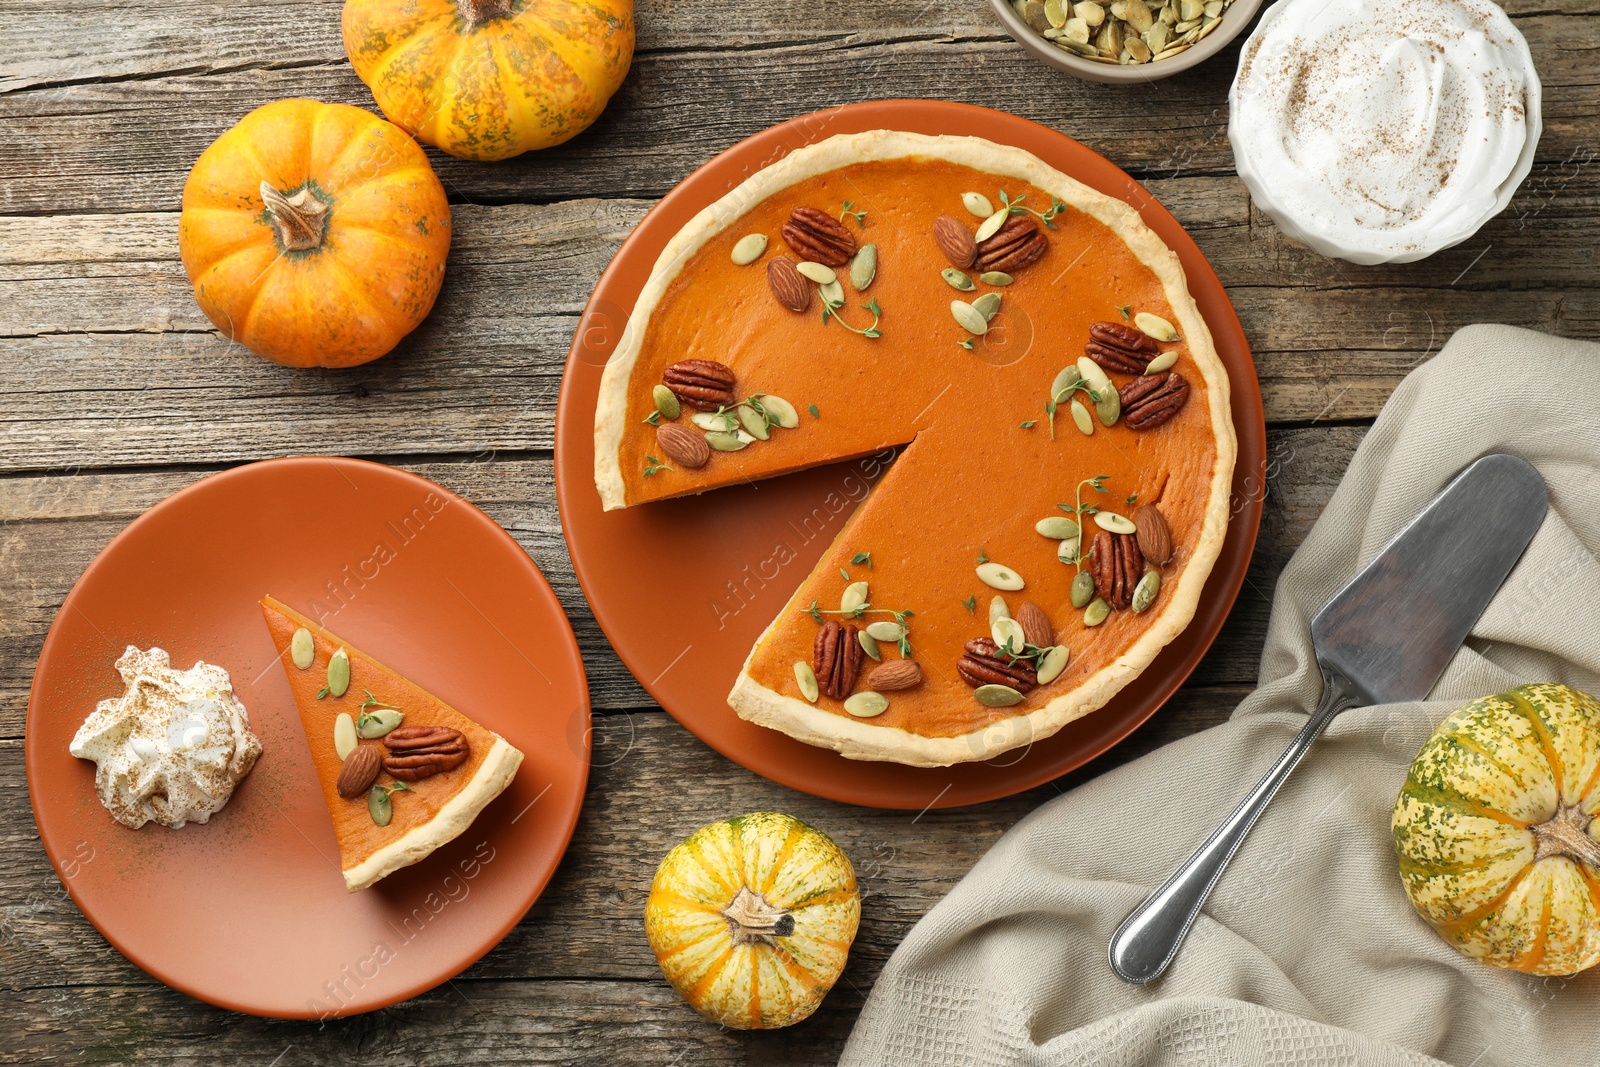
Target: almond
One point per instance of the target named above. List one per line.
(955, 240)
(1155, 536)
(683, 446)
(1035, 623)
(896, 674)
(359, 771)
(788, 284)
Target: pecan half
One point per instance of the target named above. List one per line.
(418, 752)
(1117, 566)
(703, 384)
(955, 241)
(792, 289)
(1014, 246)
(836, 659)
(1149, 401)
(1120, 347)
(982, 663)
(819, 237)
(359, 770)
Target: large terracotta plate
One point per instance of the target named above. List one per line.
(684, 587)
(249, 911)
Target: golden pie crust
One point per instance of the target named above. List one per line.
(971, 479)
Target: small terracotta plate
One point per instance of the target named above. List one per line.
(249, 910)
(684, 587)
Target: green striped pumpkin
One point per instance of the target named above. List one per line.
(1493, 830)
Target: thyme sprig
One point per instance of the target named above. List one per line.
(652, 465)
(1075, 384)
(830, 313)
(1017, 207)
(863, 609)
(1080, 511)
(859, 216)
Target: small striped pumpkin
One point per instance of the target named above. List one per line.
(1493, 830)
(751, 919)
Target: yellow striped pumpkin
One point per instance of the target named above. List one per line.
(751, 919)
(490, 79)
(1493, 830)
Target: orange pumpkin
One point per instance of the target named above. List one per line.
(491, 79)
(314, 234)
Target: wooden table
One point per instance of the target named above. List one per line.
(115, 391)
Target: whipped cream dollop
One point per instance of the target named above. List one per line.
(172, 747)
(1385, 129)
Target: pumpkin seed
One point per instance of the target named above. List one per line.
(1174, 50)
(997, 696)
(1111, 522)
(302, 649)
(855, 595)
(755, 423)
(832, 292)
(1136, 51)
(339, 673)
(344, 735)
(987, 305)
(1058, 527)
(1156, 36)
(724, 441)
(998, 609)
(1145, 593)
(869, 644)
(1054, 14)
(995, 277)
(1065, 382)
(1052, 663)
(1007, 633)
(885, 630)
(379, 722)
(817, 272)
(1096, 612)
(806, 679)
(1067, 550)
(1162, 362)
(1155, 326)
(1082, 589)
(715, 421)
(996, 576)
(1092, 13)
(1082, 48)
(1108, 407)
(991, 225)
(748, 249)
(1191, 9)
(866, 705)
(1137, 14)
(379, 806)
(977, 204)
(969, 318)
(1213, 8)
(666, 402)
(1093, 375)
(958, 279)
(1080, 416)
(864, 267)
(781, 410)
(1076, 30)
(1206, 27)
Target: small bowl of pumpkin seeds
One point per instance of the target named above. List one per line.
(1125, 40)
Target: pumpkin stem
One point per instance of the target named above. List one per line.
(476, 12)
(301, 220)
(751, 919)
(1564, 834)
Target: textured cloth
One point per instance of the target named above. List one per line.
(1308, 952)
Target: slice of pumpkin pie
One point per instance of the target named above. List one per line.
(402, 771)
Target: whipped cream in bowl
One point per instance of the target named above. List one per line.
(1380, 132)
(172, 748)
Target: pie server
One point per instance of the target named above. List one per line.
(1386, 637)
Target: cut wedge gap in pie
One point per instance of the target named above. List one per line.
(402, 772)
(1031, 346)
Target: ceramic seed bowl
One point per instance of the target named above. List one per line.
(1235, 20)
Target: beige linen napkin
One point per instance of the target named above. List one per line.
(1308, 952)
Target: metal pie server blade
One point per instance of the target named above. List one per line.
(1387, 636)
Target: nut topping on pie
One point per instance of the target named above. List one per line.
(359, 771)
(819, 237)
(837, 657)
(418, 752)
(792, 289)
(1155, 536)
(1150, 401)
(703, 384)
(982, 663)
(1120, 347)
(683, 446)
(1015, 245)
(1117, 564)
(955, 241)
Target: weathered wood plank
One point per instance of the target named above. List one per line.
(588, 922)
(52, 526)
(677, 109)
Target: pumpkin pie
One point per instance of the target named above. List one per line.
(1020, 361)
(402, 771)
